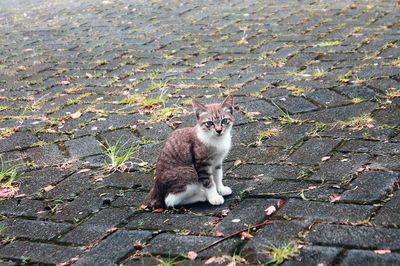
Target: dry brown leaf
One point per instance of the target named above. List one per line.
(280, 204)
(76, 115)
(192, 255)
(218, 234)
(325, 158)
(334, 197)
(237, 162)
(158, 210)
(245, 235)
(210, 260)
(382, 251)
(270, 210)
(112, 230)
(48, 188)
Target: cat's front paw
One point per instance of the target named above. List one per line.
(216, 200)
(225, 191)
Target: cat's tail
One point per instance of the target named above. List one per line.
(155, 199)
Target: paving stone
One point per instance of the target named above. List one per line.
(388, 116)
(381, 182)
(39, 252)
(172, 222)
(13, 159)
(130, 199)
(249, 211)
(133, 180)
(362, 92)
(367, 257)
(120, 138)
(262, 107)
(84, 204)
(372, 147)
(295, 105)
(256, 154)
(365, 237)
(315, 255)
(71, 186)
(96, 227)
(156, 131)
(34, 230)
(277, 233)
(82, 147)
(374, 133)
(327, 98)
(46, 155)
(268, 172)
(18, 140)
(341, 113)
(113, 248)
(324, 211)
(340, 165)
(23, 207)
(247, 133)
(289, 135)
(313, 150)
(389, 214)
(178, 244)
(386, 163)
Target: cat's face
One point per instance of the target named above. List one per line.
(215, 119)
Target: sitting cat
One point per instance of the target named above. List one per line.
(189, 167)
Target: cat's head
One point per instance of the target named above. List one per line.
(215, 119)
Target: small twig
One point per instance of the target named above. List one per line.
(232, 235)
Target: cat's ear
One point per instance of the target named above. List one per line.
(198, 108)
(228, 104)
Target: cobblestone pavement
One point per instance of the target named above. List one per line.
(316, 85)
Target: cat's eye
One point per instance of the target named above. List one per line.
(224, 121)
(209, 123)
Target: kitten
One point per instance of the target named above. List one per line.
(189, 167)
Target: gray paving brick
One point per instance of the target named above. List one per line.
(324, 211)
(354, 236)
(113, 248)
(39, 252)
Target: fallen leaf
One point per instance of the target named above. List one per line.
(20, 196)
(210, 260)
(237, 162)
(245, 235)
(280, 204)
(334, 197)
(382, 251)
(48, 188)
(235, 220)
(6, 192)
(215, 222)
(65, 82)
(192, 255)
(76, 115)
(270, 210)
(158, 210)
(83, 170)
(112, 230)
(225, 212)
(218, 234)
(325, 158)
(138, 245)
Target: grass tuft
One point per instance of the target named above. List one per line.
(359, 122)
(119, 155)
(281, 253)
(8, 175)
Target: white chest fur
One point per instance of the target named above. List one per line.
(222, 144)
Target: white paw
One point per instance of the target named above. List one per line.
(216, 200)
(225, 191)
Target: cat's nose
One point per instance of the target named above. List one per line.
(218, 130)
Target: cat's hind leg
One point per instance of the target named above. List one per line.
(193, 193)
